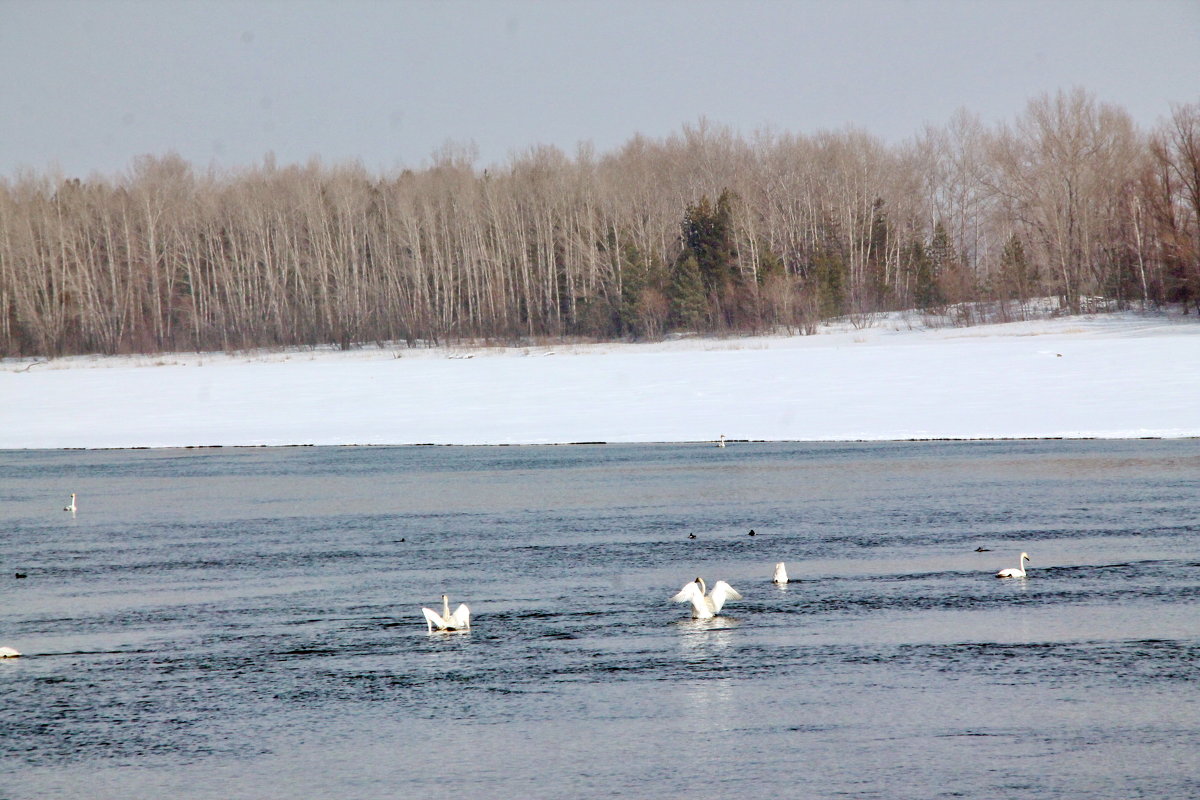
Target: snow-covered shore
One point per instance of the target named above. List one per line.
(1108, 376)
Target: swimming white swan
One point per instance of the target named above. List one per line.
(1015, 572)
(721, 441)
(780, 574)
(706, 606)
(71, 507)
(460, 620)
(8, 652)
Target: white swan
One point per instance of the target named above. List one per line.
(1015, 572)
(460, 620)
(706, 606)
(721, 441)
(71, 507)
(8, 652)
(780, 574)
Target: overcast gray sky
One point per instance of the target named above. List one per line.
(87, 86)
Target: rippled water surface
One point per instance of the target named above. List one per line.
(246, 623)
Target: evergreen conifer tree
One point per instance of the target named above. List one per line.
(1018, 274)
(941, 251)
(830, 272)
(926, 292)
(877, 283)
(770, 265)
(708, 236)
(688, 303)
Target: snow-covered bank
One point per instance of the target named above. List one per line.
(1107, 376)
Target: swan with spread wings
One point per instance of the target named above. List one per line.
(460, 620)
(706, 605)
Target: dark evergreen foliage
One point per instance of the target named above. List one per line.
(688, 304)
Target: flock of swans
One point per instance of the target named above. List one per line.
(705, 604)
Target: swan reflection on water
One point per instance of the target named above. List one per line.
(706, 637)
(710, 625)
(710, 702)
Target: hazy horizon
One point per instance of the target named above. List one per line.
(92, 86)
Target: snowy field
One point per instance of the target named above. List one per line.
(1108, 376)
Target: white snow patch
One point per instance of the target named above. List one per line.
(1106, 376)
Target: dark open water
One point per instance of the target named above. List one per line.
(246, 623)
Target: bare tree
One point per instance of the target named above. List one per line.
(1070, 197)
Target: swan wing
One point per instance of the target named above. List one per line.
(691, 594)
(1011, 572)
(722, 592)
(688, 593)
(780, 573)
(461, 618)
(434, 619)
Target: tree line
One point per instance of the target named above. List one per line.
(703, 231)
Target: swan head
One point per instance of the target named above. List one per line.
(703, 588)
(1025, 557)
